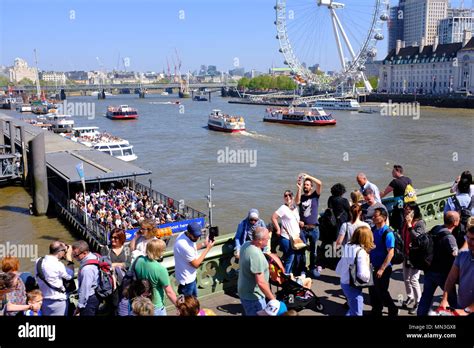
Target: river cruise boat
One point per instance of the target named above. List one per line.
(59, 123)
(314, 116)
(218, 121)
(122, 112)
(104, 142)
(337, 104)
(23, 108)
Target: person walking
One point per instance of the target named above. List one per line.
(412, 227)
(88, 303)
(356, 252)
(151, 269)
(252, 284)
(445, 250)
(380, 257)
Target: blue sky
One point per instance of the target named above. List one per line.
(148, 31)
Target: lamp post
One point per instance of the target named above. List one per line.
(150, 181)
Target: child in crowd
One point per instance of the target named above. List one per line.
(189, 306)
(142, 307)
(33, 297)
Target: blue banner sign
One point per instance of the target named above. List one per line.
(176, 227)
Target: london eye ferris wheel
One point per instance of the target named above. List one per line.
(334, 36)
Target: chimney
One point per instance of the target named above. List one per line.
(467, 36)
(403, 44)
(422, 44)
(436, 43)
(398, 47)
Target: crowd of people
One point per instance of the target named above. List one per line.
(365, 242)
(124, 208)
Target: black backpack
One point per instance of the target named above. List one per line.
(106, 284)
(464, 212)
(399, 249)
(422, 249)
(328, 226)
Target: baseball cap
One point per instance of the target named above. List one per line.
(274, 308)
(194, 229)
(253, 214)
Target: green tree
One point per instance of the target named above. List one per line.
(243, 82)
(374, 82)
(4, 81)
(25, 81)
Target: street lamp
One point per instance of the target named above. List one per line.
(150, 181)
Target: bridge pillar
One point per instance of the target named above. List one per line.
(101, 94)
(2, 136)
(39, 177)
(141, 94)
(23, 153)
(62, 95)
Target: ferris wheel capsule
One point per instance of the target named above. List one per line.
(379, 36)
(384, 17)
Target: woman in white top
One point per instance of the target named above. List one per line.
(348, 228)
(146, 233)
(290, 218)
(357, 250)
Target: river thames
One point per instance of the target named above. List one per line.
(174, 143)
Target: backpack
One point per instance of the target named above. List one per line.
(421, 250)
(106, 283)
(328, 226)
(410, 194)
(131, 275)
(398, 255)
(464, 213)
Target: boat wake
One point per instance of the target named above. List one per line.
(256, 135)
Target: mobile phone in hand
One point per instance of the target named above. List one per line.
(213, 233)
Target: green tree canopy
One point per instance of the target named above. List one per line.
(266, 82)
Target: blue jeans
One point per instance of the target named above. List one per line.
(288, 254)
(431, 282)
(188, 289)
(354, 299)
(251, 307)
(313, 236)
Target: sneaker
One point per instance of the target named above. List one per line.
(408, 302)
(413, 310)
(394, 314)
(315, 273)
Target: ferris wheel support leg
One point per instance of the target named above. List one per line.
(338, 39)
(368, 86)
(344, 35)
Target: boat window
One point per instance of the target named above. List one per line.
(116, 153)
(127, 152)
(114, 146)
(104, 148)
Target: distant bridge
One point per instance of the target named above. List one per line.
(130, 86)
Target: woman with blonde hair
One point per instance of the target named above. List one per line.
(150, 268)
(356, 252)
(142, 307)
(146, 233)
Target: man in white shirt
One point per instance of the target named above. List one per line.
(364, 184)
(187, 260)
(50, 273)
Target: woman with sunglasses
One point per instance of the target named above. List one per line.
(290, 218)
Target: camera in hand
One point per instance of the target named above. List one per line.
(213, 232)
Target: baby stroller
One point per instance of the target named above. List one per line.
(289, 291)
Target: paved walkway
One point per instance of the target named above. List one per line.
(328, 289)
